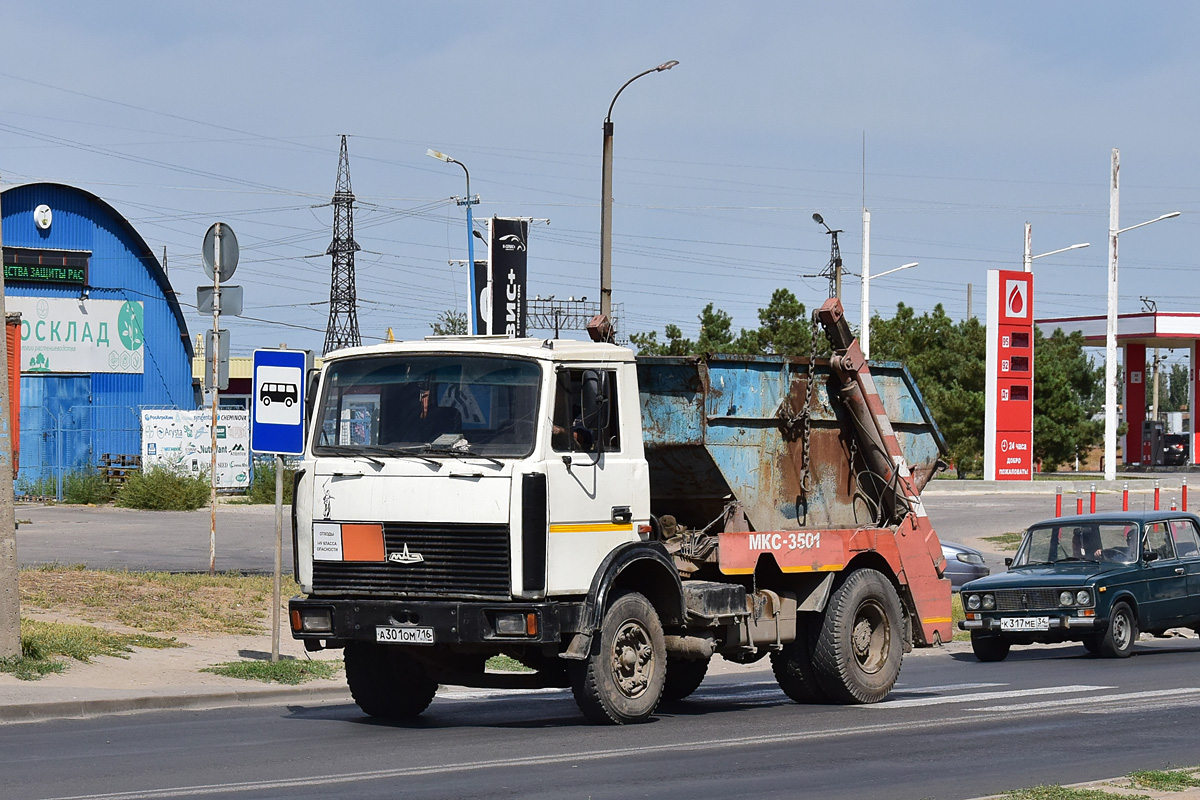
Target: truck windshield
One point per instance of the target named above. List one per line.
(429, 404)
(1106, 542)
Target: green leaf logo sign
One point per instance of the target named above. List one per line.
(129, 325)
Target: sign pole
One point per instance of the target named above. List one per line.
(275, 589)
(214, 344)
(10, 598)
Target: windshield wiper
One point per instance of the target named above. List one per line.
(460, 451)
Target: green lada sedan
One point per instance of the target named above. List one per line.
(1099, 579)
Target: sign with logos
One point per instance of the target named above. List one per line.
(182, 441)
(508, 254)
(60, 334)
(277, 423)
(1008, 410)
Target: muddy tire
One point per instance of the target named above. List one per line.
(793, 666)
(386, 682)
(989, 648)
(684, 676)
(622, 679)
(1122, 631)
(860, 644)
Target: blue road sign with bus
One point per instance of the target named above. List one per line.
(277, 413)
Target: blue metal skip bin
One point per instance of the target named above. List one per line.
(722, 428)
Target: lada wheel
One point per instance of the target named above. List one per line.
(386, 682)
(860, 644)
(793, 667)
(622, 680)
(684, 676)
(989, 647)
(1117, 640)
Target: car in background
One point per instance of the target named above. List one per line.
(963, 564)
(1099, 579)
(1175, 449)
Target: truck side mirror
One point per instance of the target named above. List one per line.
(596, 405)
(311, 379)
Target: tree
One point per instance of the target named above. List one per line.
(675, 345)
(1177, 388)
(1064, 399)
(450, 323)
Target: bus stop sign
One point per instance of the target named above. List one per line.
(277, 409)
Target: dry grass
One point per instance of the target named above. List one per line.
(161, 602)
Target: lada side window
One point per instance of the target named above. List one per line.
(1187, 543)
(1158, 541)
(1109, 542)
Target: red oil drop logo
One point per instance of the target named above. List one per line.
(1016, 301)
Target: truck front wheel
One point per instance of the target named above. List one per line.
(684, 676)
(621, 680)
(859, 648)
(386, 682)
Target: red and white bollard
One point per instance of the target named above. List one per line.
(1156, 496)
(1173, 506)
(1058, 501)
(1183, 499)
(1125, 496)
(1093, 502)
(1079, 505)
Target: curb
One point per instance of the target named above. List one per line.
(86, 708)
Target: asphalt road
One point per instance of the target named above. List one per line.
(954, 728)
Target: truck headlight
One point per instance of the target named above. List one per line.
(973, 602)
(1066, 598)
(313, 620)
(1083, 597)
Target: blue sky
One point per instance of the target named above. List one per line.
(976, 118)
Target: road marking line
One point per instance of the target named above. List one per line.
(1093, 699)
(903, 688)
(977, 696)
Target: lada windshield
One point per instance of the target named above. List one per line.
(1106, 542)
(428, 405)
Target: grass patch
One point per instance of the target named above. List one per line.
(162, 489)
(160, 602)
(1068, 793)
(503, 663)
(957, 616)
(262, 486)
(45, 644)
(1006, 541)
(1162, 780)
(291, 671)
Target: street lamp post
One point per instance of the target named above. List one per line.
(1110, 333)
(1027, 261)
(606, 198)
(865, 327)
(472, 324)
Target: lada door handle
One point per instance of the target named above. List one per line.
(1179, 570)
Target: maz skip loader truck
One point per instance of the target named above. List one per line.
(613, 522)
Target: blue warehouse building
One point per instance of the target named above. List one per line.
(102, 333)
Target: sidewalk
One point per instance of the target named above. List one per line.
(164, 679)
(1122, 787)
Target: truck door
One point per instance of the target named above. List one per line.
(590, 479)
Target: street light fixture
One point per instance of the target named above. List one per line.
(865, 326)
(1029, 257)
(606, 198)
(469, 201)
(1110, 333)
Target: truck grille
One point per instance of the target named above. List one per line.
(1027, 599)
(460, 561)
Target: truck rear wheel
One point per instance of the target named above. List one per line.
(793, 667)
(386, 682)
(684, 676)
(621, 680)
(859, 648)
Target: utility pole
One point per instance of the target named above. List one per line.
(342, 330)
(968, 301)
(10, 599)
(833, 270)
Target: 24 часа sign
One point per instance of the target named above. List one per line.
(61, 334)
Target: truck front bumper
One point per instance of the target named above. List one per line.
(322, 622)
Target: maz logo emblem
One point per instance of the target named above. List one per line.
(405, 557)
